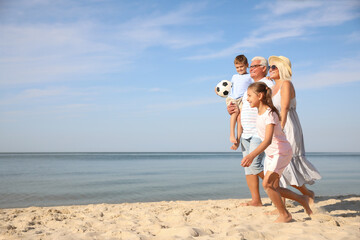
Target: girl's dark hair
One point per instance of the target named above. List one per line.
(260, 87)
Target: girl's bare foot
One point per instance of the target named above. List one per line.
(304, 201)
(284, 218)
(251, 204)
(234, 146)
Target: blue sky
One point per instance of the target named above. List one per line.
(139, 75)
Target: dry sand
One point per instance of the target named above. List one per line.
(333, 218)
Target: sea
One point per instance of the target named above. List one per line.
(58, 179)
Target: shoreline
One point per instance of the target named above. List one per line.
(335, 217)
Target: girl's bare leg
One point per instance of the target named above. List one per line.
(271, 186)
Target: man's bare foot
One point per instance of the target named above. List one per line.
(251, 204)
(233, 139)
(284, 218)
(234, 146)
(304, 201)
(311, 198)
(273, 212)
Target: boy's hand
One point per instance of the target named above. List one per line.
(246, 161)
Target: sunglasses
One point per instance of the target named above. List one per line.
(272, 67)
(254, 66)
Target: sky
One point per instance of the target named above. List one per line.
(139, 76)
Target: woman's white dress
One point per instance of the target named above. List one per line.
(300, 171)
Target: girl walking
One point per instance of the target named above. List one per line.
(277, 149)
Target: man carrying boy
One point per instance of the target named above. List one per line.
(249, 138)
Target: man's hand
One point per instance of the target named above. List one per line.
(232, 108)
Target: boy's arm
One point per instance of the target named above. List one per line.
(269, 131)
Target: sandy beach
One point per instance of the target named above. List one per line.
(334, 218)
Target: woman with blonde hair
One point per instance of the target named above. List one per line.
(300, 171)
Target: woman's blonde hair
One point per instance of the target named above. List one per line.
(284, 66)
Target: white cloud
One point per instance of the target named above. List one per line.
(290, 6)
(45, 95)
(162, 30)
(353, 37)
(39, 51)
(339, 72)
(53, 95)
(43, 53)
(60, 111)
(249, 42)
(279, 24)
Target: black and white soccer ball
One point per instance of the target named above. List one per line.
(223, 88)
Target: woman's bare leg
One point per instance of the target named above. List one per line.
(305, 191)
(302, 199)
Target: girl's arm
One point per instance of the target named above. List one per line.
(286, 95)
(269, 131)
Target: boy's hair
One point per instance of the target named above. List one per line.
(260, 87)
(241, 59)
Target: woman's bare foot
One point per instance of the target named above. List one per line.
(311, 198)
(234, 146)
(284, 218)
(304, 201)
(251, 204)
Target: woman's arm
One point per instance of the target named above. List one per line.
(269, 131)
(286, 96)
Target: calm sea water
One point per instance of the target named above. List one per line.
(51, 179)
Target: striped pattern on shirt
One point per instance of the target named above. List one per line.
(249, 114)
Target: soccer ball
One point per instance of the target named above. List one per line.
(223, 88)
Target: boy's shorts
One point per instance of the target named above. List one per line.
(235, 101)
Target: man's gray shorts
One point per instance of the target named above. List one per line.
(247, 146)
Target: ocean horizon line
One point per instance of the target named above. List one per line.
(161, 152)
(170, 152)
